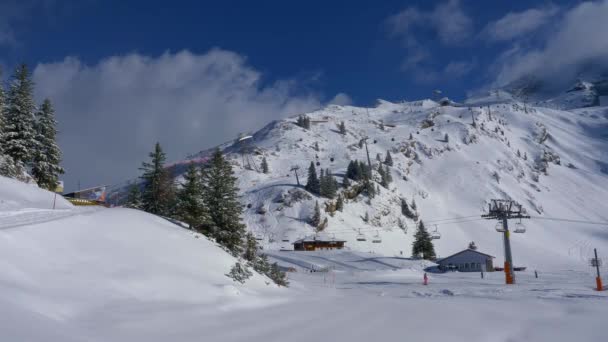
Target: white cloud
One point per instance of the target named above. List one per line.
(580, 44)
(447, 20)
(517, 24)
(341, 99)
(112, 113)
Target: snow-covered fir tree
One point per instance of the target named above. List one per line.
(313, 184)
(315, 219)
(342, 128)
(423, 245)
(134, 198)
(220, 196)
(189, 200)
(388, 160)
(265, 167)
(158, 195)
(19, 133)
(46, 154)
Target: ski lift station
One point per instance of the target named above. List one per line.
(318, 242)
(468, 260)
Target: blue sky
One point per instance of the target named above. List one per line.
(192, 74)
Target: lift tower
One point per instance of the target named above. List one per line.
(503, 211)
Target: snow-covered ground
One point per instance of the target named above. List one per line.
(101, 274)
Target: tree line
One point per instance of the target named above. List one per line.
(207, 200)
(28, 133)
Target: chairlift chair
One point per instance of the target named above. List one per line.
(435, 235)
(519, 228)
(361, 237)
(377, 238)
(499, 227)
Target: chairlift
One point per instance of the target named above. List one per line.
(376, 238)
(499, 228)
(519, 228)
(435, 235)
(361, 237)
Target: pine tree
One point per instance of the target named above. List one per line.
(265, 165)
(389, 159)
(189, 205)
(413, 205)
(340, 203)
(46, 154)
(383, 178)
(328, 184)
(446, 138)
(279, 277)
(2, 114)
(472, 245)
(315, 219)
(342, 128)
(158, 192)
(313, 185)
(239, 273)
(382, 125)
(134, 198)
(251, 249)
(316, 146)
(423, 246)
(411, 137)
(518, 154)
(387, 174)
(220, 196)
(19, 133)
(345, 182)
(366, 217)
(405, 210)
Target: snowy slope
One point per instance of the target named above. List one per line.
(65, 271)
(17, 195)
(561, 172)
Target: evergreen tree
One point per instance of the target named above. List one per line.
(251, 249)
(189, 205)
(472, 245)
(342, 128)
(345, 182)
(518, 154)
(340, 203)
(315, 220)
(265, 165)
(379, 157)
(389, 159)
(411, 137)
(46, 154)
(366, 217)
(279, 277)
(446, 138)
(158, 193)
(2, 114)
(405, 210)
(316, 146)
(413, 205)
(328, 184)
(387, 174)
(239, 273)
(423, 246)
(19, 133)
(313, 185)
(383, 177)
(382, 125)
(134, 198)
(220, 196)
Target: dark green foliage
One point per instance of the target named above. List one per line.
(220, 196)
(340, 203)
(358, 170)
(19, 136)
(388, 160)
(345, 182)
(315, 219)
(251, 249)
(265, 168)
(385, 176)
(159, 189)
(303, 121)
(411, 137)
(134, 198)
(446, 138)
(279, 277)
(413, 205)
(366, 217)
(406, 211)
(239, 273)
(342, 128)
(190, 208)
(316, 146)
(46, 155)
(423, 245)
(313, 184)
(328, 185)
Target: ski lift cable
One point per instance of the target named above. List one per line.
(568, 220)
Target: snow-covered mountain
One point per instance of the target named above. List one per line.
(553, 162)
